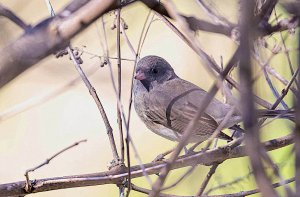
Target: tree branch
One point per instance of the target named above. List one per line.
(14, 18)
(116, 175)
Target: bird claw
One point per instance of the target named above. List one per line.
(160, 157)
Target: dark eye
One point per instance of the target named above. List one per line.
(154, 70)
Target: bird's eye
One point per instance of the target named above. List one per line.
(154, 70)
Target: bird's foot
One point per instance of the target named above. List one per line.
(161, 157)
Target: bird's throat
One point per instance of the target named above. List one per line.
(146, 84)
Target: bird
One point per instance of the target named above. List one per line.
(166, 103)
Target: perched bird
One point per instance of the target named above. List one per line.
(167, 103)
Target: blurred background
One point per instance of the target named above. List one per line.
(65, 113)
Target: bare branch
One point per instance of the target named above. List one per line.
(117, 175)
(14, 18)
(212, 170)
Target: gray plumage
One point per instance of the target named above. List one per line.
(167, 103)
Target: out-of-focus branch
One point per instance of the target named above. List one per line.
(198, 24)
(238, 194)
(50, 35)
(214, 16)
(212, 170)
(14, 18)
(117, 175)
(297, 127)
(253, 145)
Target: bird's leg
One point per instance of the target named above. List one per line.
(178, 139)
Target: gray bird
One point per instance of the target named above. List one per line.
(167, 103)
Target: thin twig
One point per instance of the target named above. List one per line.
(14, 18)
(266, 66)
(285, 48)
(235, 181)
(239, 194)
(263, 68)
(285, 90)
(93, 93)
(128, 139)
(102, 56)
(28, 185)
(119, 118)
(133, 70)
(216, 18)
(143, 37)
(211, 171)
(188, 172)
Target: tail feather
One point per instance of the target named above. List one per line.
(224, 136)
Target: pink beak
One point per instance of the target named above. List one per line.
(139, 75)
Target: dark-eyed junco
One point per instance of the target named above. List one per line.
(167, 103)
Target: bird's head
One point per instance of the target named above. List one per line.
(153, 69)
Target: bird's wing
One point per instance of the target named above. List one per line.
(176, 113)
